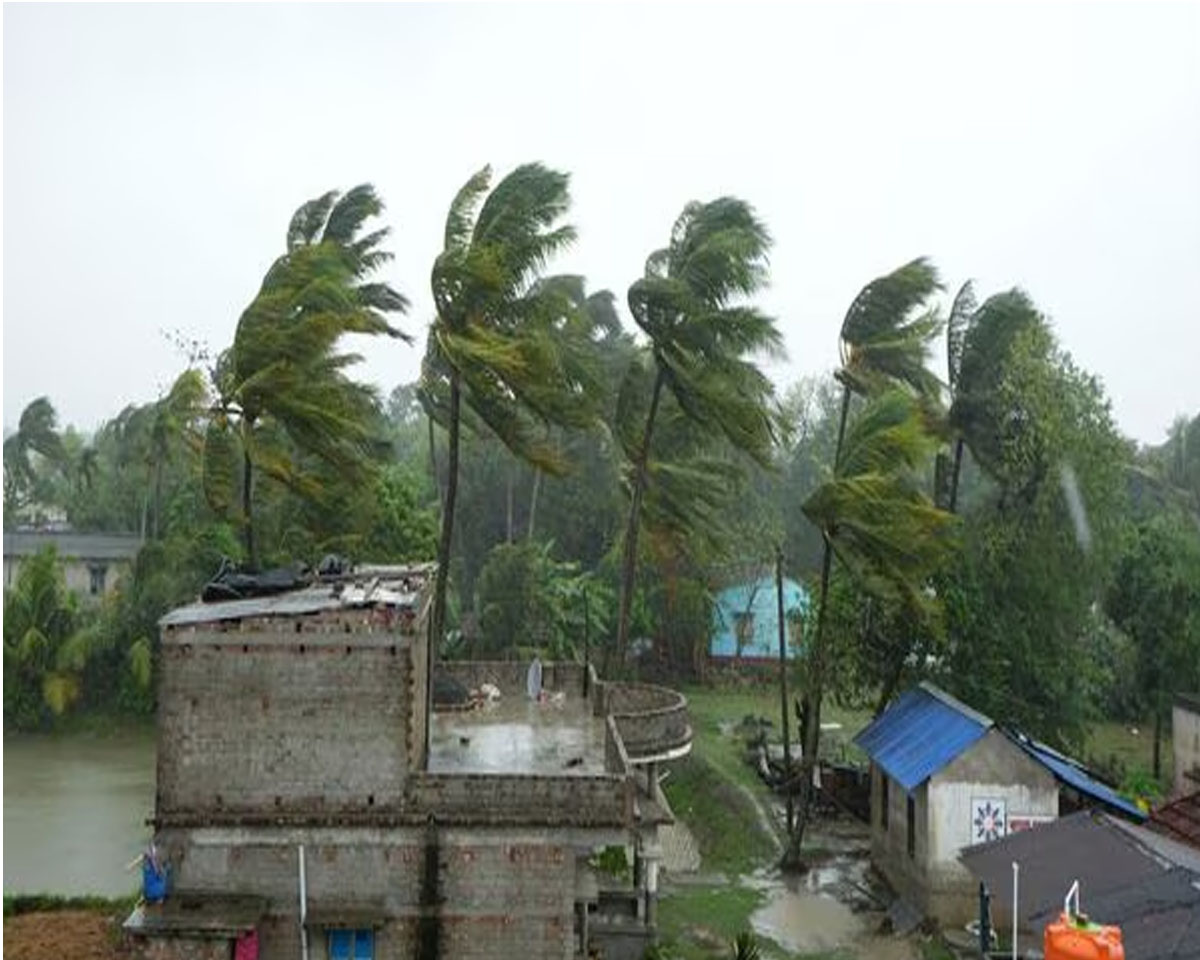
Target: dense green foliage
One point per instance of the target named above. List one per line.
(551, 456)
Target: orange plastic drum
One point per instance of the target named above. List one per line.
(1074, 938)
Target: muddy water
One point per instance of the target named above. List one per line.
(74, 811)
(819, 911)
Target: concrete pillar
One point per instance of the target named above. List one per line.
(651, 891)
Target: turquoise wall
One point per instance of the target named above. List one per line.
(757, 596)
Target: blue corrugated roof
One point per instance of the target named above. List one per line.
(1069, 772)
(920, 733)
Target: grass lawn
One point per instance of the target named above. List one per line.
(1134, 753)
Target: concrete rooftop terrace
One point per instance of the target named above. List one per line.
(517, 735)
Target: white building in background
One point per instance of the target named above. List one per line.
(93, 563)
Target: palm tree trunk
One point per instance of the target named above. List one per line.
(958, 455)
(812, 719)
(783, 690)
(811, 703)
(437, 620)
(158, 472)
(433, 466)
(533, 502)
(629, 553)
(508, 518)
(247, 515)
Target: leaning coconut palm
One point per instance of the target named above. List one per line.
(691, 305)
(496, 350)
(37, 433)
(886, 532)
(282, 386)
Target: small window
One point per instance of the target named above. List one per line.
(351, 945)
(884, 800)
(98, 574)
(912, 828)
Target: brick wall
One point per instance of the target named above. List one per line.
(496, 892)
(275, 721)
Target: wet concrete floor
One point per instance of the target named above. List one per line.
(517, 735)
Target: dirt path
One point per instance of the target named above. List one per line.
(63, 935)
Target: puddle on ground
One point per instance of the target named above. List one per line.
(806, 922)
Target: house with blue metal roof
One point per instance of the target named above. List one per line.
(746, 620)
(945, 777)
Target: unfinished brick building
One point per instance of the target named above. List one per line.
(312, 800)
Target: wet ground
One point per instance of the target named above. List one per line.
(835, 906)
(517, 735)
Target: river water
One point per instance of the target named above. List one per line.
(75, 807)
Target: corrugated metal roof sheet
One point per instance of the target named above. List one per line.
(920, 733)
(1156, 903)
(1074, 775)
(395, 586)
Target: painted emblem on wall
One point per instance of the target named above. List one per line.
(988, 821)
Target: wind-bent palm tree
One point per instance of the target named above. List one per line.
(282, 385)
(884, 344)
(962, 310)
(37, 433)
(888, 534)
(690, 303)
(499, 350)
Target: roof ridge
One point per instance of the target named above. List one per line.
(957, 705)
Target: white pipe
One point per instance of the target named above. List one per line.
(1072, 892)
(1016, 884)
(303, 909)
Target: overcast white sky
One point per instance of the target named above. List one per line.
(154, 154)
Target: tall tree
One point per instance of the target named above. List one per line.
(884, 343)
(36, 437)
(873, 514)
(691, 305)
(1155, 598)
(496, 345)
(282, 386)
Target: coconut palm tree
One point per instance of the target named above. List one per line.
(282, 386)
(884, 345)
(886, 532)
(499, 349)
(37, 433)
(691, 304)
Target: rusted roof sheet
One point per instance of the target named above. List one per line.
(1179, 820)
(390, 586)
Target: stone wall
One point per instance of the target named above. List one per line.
(309, 719)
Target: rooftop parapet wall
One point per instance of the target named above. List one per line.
(509, 676)
(652, 721)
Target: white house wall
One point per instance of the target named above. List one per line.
(1185, 734)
